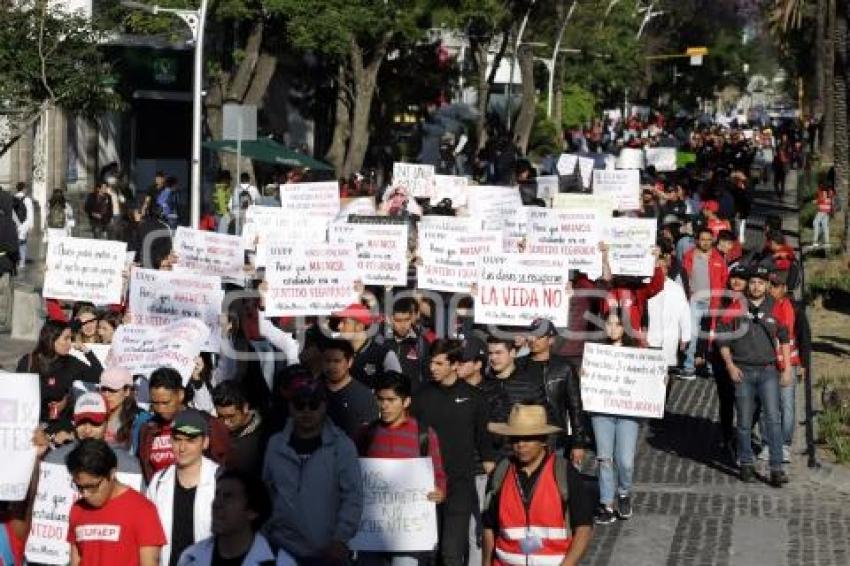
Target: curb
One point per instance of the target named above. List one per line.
(833, 476)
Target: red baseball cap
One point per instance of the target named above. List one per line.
(90, 407)
(358, 312)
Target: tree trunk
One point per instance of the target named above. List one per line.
(485, 80)
(842, 160)
(558, 100)
(525, 118)
(820, 90)
(827, 146)
(342, 122)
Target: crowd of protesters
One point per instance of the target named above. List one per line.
(255, 460)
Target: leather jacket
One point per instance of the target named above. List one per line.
(563, 393)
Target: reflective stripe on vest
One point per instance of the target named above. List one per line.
(543, 526)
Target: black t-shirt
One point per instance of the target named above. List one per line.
(183, 525)
(352, 407)
(218, 560)
(580, 503)
(305, 447)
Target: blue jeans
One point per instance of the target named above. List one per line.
(616, 443)
(387, 559)
(821, 226)
(761, 382)
(787, 410)
(698, 310)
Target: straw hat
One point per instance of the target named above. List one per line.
(524, 420)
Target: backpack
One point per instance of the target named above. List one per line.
(366, 440)
(20, 208)
(501, 470)
(244, 199)
(56, 215)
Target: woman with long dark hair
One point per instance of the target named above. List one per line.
(198, 391)
(239, 360)
(125, 417)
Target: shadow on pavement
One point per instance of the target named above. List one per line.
(690, 437)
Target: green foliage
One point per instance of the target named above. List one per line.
(834, 429)
(544, 135)
(48, 55)
(579, 106)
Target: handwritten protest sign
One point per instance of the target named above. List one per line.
(358, 205)
(309, 279)
(621, 185)
(515, 230)
(81, 269)
(603, 204)
(630, 158)
(142, 349)
(623, 381)
(630, 245)
(381, 250)
(397, 516)
(492, 205)
(449, 248)
(662, 158)
(567, 164)
(47, 540)
(547, 187)
(19, 412)
(573, 234)
(315, 232)
(209, 253)
(311, 199)
(418, 178)
(585, 166)
(158, 298)
(452, 187)
(515, 289)
(263, 222)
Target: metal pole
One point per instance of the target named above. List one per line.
(550, 64)
(197, 111)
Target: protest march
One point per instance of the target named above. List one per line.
(453, 367)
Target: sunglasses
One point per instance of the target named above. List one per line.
(304, 405)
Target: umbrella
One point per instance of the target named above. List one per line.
(269, 151)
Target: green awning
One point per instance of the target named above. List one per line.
(269, 151)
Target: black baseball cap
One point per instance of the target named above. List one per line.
(739, 271)
(473, 349)
(760, 272)
(191, 423)
(542, 327)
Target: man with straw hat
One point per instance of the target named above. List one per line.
(537, 510)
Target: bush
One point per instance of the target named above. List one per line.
(834, 431)
(807, 214)
(579, 106)
(544, 135)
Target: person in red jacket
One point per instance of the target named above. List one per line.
(714, 223)
(825, 202)
(705, 279)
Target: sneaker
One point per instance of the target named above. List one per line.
(764, 454)
(604, 516)
(688, 375)
(778, 478)
(748, 473)
(786, 454)
(624, 507)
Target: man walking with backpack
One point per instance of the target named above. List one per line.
(537, 510)
(24, 218)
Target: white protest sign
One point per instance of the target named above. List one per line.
(417, 178)
(209, 253)
(263, 222)
(492, 205)
(100, 351)
(315, 231)
(573, 234)
(80, 269)
(516, 289)
(603, 204)
(311, 199)
(452, 187)
(630, 158)
(309, 279)
(547, 187)
(19, 411)
(617, 380)
(397, 516)
(158, 298)
(381, 250)
(142, 349)
(585, 166)
(662, 158)
(361, 206)
(449, 248)
(567, 164)
(515, 230)
(622, 185)
(630, 245)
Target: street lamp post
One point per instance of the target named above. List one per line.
(196, 21)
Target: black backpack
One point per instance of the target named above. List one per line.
(20, 208)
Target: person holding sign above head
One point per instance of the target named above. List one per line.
(537, 510)
(397, 435)
(110, 523)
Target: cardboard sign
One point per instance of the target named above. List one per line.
(159, 298)
(381, 250)
(616, 380)
(397, 516)
(19, 413)
(515, 289)
(449, 248)
(209, 253)
(81, 269)
(623, 186)
(630, 158)
(311, 199)
(309, 279)
(567, 164)
(585, 166)
(662, 158)
(493, 205)
(573, 234)
(142, 349)
(452, 187)
(630, 245)
(417, 178)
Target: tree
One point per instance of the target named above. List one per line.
(49, 58)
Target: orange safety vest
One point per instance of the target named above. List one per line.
(539, 535)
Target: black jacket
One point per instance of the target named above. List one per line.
(563, 395)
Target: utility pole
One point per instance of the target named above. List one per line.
(550, 63)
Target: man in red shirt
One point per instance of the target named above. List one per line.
(110, 523)
(825, 201)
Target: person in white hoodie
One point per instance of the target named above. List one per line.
(244, 195)
(669, 315)
(25, 220)
(183, 492)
